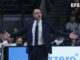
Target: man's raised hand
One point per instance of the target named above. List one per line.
(73, 36)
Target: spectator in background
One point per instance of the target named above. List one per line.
(0, 51)
(67, 42)
(25, 43)
(78, 33)
(71, 26)
(4, 41)
(15, 30)
(74, 43)
(77, 10)
(0, 37)
(73, 13)
(78, 28)
(18, 42)
(10, 41)
(3, 44)
(59, 41)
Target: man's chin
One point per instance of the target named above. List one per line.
(38, 19)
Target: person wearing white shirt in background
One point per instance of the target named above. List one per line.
(4, 41)
(17, 43)
(59, 41)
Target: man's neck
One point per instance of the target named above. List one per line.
(38, 20)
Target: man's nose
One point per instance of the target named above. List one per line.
(38, 15)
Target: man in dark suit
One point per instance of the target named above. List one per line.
(38, 37)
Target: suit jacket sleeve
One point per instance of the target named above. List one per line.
(58, 32)
(18, 33)
(23, 31)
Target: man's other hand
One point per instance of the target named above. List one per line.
(73, 36)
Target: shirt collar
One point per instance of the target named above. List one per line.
(39, 21)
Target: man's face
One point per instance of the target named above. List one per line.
(19, 41)
(15, 30)
(37, 14)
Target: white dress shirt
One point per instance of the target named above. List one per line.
(40, 38)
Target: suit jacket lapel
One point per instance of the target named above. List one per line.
(43, 28)
(31, 26)
(30, 31)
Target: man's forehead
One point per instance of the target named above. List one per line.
(37, 10)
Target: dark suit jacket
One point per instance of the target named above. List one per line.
(45, 32)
